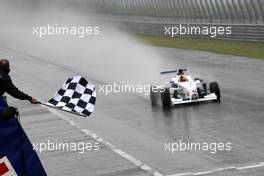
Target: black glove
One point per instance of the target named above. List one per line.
(8, 113)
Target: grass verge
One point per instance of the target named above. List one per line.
(237, 48)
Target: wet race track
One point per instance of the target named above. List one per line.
(129, 121)
(133, 134)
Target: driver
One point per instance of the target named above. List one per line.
(182, 76)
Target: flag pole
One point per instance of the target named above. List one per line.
(54, 107)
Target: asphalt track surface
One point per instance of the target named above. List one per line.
(129, 122)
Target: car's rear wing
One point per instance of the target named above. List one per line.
(172, 71)
(169, 71)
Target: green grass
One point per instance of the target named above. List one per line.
(248, 49)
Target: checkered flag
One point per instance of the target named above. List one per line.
(76, 95)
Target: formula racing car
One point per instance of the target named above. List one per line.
(184, 89)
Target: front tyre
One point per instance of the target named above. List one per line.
(214, 88)
(166, 98)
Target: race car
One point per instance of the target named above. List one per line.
(184, 89)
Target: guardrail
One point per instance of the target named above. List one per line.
(246, 17)
(188, 11)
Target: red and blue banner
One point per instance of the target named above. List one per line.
(17, 156)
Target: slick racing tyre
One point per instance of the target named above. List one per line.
(166, 98)
(214, 88)
(154, 94)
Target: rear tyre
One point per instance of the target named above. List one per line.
(166, 98)
(214, 88)
(153, 96)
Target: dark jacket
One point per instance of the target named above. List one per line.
(6, 85)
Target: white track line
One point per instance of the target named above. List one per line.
(219, 170)
(249, 167)
(112, 147)
(139, 163)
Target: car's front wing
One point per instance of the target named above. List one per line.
(175, 101)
